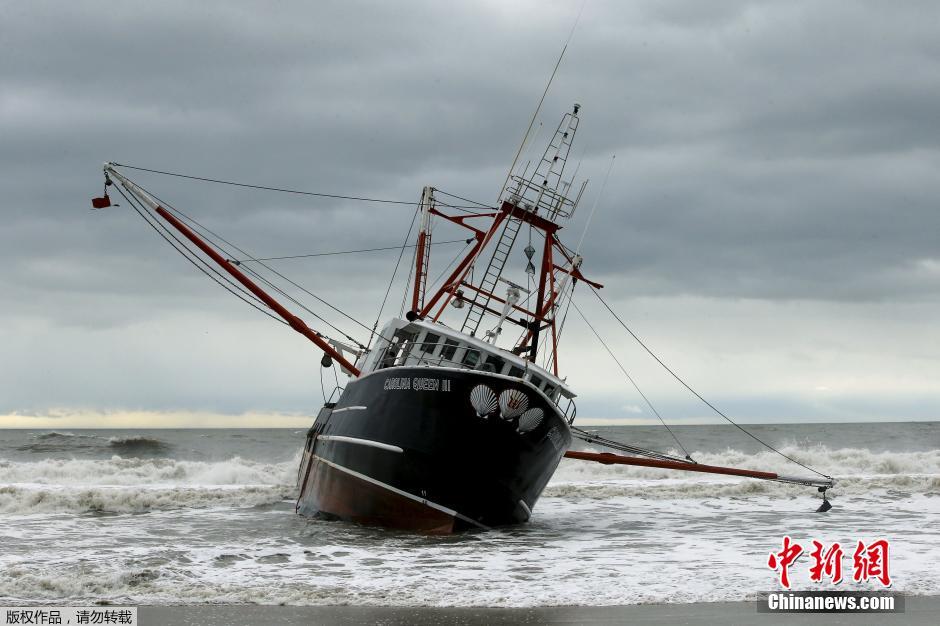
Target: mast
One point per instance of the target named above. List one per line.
(539, 193)
(423, 251)
(538, 199)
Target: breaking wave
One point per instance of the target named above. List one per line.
(136, 485)
(138, 444)
(62, 435)
(28, 500)
(120, 471)
(131, 485)
(68, 442)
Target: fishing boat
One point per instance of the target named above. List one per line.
(454, 415)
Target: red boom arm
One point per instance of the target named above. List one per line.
(295, 322)
(608, 458)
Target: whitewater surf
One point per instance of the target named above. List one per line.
(208, 520)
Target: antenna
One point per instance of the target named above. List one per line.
(596, 200)
(542, 99)
(468, 267)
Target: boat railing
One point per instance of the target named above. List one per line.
(432, 354)
(570, 411)
(530, 196)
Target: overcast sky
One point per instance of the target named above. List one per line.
(771, 226)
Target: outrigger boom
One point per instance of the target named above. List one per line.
(295, 322)
(608, 458)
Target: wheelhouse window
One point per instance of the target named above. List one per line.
(429, 345)
(516, 371)
(493, 364)
(391, 352)
(398, 349)
(471, 357)
(408, 346)
(449, 350)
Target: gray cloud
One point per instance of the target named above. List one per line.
(774, 152)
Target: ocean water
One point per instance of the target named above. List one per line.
(196, 516)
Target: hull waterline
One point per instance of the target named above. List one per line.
(406, 448)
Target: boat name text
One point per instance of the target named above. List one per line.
(417, 383)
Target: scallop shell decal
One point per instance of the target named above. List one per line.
(483, 400)
(530, 419)
(512, 403)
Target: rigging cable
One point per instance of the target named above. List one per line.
(453, 195)
(317, 254)
(316, 297)
(577, 252)
(460, 254)
(590, 437)
(525, 330)
(187, 254)
(697, 395)
(278, 189)
(300, 304)
(206, 231)
(394, 273)
(462, 209)
(542, 99)
(597, 199)
(632, 381)
(473, 260)
(564, 317)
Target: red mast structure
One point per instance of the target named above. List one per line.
(537, 198)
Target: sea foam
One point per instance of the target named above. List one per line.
(120, 485)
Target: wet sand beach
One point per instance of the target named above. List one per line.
(918, 610)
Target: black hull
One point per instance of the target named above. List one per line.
(405, 448)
